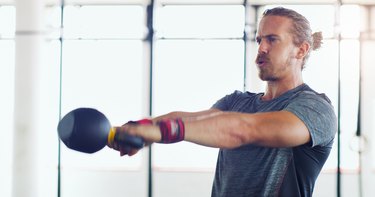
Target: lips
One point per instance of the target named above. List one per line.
(261, 60)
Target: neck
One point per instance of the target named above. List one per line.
(275, 89)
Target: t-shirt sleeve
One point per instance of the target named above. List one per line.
(318, 115)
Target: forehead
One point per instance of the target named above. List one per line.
(276, 25)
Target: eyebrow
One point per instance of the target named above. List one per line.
(267, 36)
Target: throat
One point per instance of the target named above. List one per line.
(274, 91)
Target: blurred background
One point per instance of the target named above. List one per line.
(132, 59)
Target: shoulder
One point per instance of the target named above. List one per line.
(243, 93)
(308, 92)
(318, 114)
(239, 95)
(230, 100)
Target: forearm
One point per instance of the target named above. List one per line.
(225, 130)
(188, 116)
(216, 129)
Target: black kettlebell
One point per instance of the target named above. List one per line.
(88, 130)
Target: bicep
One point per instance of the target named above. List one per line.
(279, 129)
(233, 129)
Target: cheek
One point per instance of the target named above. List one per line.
(279, 56)
(282, 54)
(283, 58)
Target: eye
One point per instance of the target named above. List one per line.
(271, 39)
(258, 40)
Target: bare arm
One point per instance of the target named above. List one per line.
(151, 133)
(189, 116)
(233, 129)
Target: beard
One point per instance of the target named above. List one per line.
(268, 71)
(267, 75)
(265, 71)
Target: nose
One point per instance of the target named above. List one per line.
(263, 47)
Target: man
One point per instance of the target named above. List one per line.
(273, 143)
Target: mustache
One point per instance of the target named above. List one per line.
(261, 58)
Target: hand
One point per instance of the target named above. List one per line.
(117, 141)
(142, 128)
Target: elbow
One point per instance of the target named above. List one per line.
(240, 133)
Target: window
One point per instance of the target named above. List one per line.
(94, 77)
(199, 58)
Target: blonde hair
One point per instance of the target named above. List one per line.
(301, 29)
(317, 40)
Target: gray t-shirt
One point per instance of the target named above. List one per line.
(252, 170)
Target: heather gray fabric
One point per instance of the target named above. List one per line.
(252, 170)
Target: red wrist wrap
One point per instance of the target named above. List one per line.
(141, 122)
(172, 130)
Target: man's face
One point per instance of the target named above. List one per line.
(276, 57)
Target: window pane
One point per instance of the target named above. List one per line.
(49, 77)
(349, 100)
(110, 82)
(350, 21)
(7, 21)
(327, 70)
(6, 113)
(190, 76)
(53, 22)
(103, 22)
(103, 69)
(200, 21)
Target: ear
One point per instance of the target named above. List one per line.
(303, 49)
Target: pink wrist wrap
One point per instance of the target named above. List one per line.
(172, 130)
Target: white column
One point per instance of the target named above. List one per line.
(28, 43)
(368, 101)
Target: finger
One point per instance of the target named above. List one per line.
(132, 152)
(115, 146)
(124, 150)
(122, 153)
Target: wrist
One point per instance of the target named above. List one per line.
(144, 121)
(171, 130)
